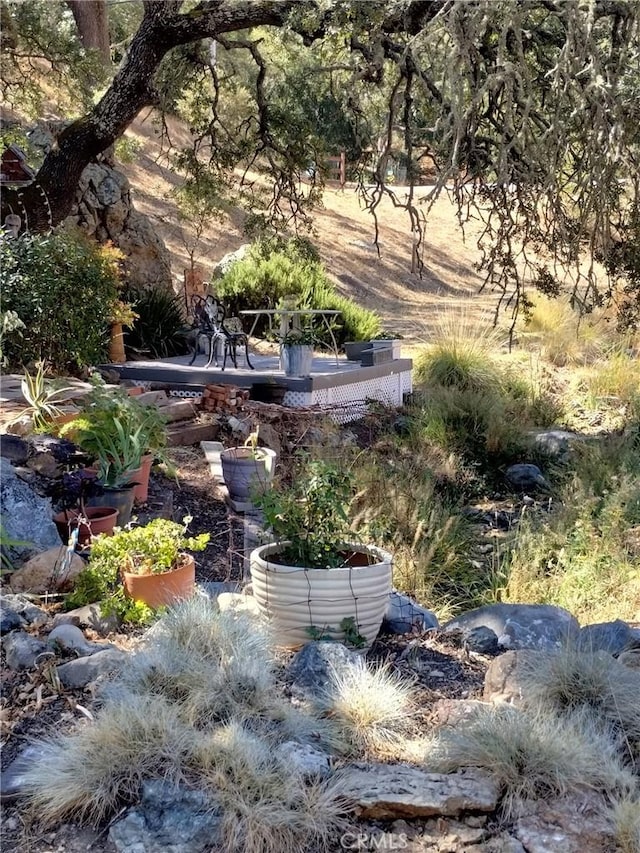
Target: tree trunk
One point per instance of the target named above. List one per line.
(92, 22)
(48, 200)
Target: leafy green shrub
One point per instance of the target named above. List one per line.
(151, 549)
(161, 328)
(62, 287)
(310, 515)
(275, 270)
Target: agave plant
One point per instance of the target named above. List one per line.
(42, 397)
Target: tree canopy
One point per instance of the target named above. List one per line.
(526, 112)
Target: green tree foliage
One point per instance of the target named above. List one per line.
(526, 112)
(42, 37)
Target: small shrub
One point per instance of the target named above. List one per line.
(150, 549)
(62, 287)
(161, 328)
(273, 271)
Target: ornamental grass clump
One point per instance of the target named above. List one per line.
(212, 664)
(590, 681)
(372, 708)
(534, 756)
(268, 806)
(161, 719)
(85, 775)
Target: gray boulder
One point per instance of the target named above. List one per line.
(10, 620)
(26, 517)
(308, 762)
(505, 678)
(12, 777)
(521, 626)
(390, 791)
(27, 612)
(78, 673)
(89, 616)
(310, 670)
(556, 443)
(613, 637)
(404, 615)
(70, 638)
(169, 819)
(14, 448)
(225, 263)
(482, 640)
(22, 650)
(526, 477)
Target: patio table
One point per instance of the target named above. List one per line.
(290, 319)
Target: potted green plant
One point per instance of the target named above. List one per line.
(247, 469)
(117, 454)
(121, 315)
(146, 564)
(296, 351)
(313, 580)
(97, 425)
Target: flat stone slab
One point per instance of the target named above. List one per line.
(388, 791)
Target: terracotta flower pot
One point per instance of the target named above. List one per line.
(101, 519)
(296, 599)
(163, 589)
(141, 478)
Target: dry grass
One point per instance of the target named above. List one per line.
(614, 379)
(533, 756)
(372, 708)
(268, 807)
(213, 665)
(86, 774)
(462, 355)
(570, 680)
(561, 336)
(625, 817)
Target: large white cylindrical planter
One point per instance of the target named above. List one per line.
(297, 599)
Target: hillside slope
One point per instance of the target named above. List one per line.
(408, 303)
